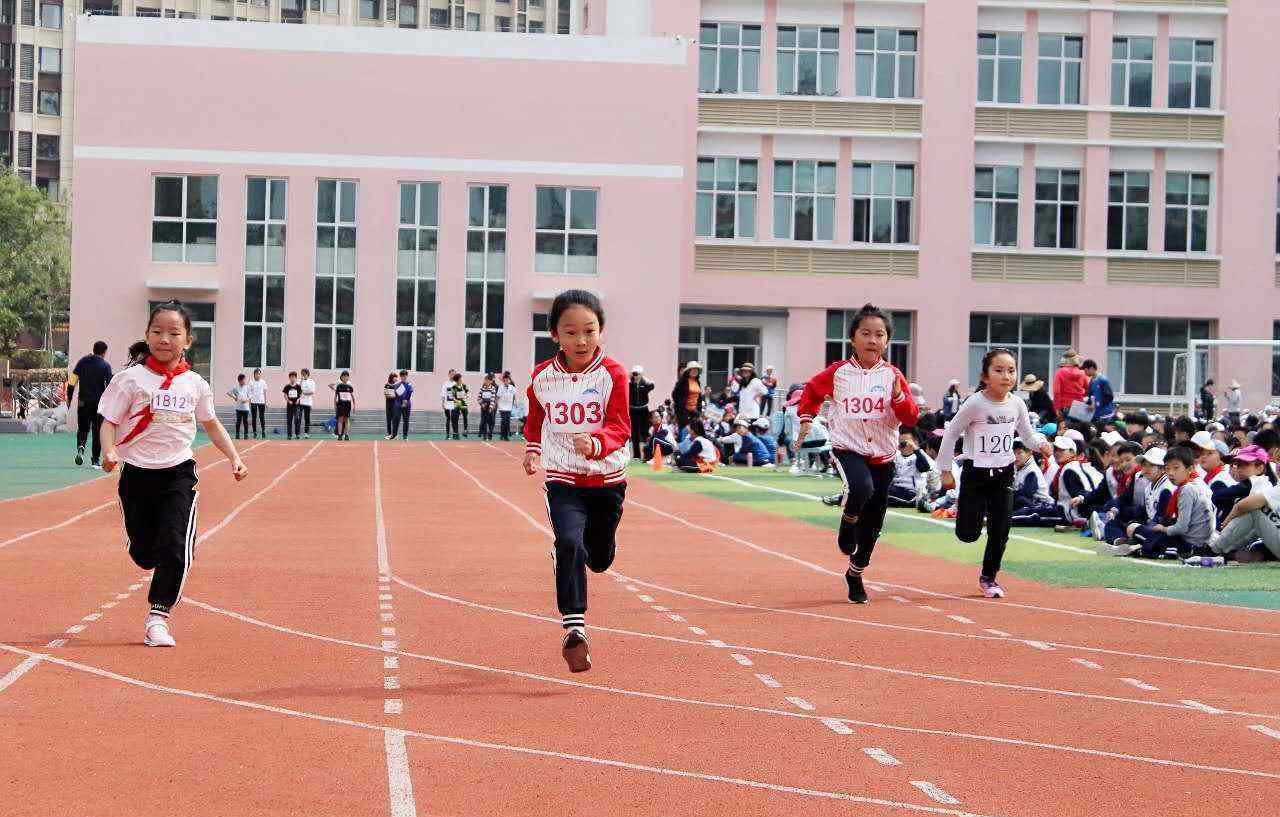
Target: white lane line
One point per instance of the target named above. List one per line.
(997, 633)
(675, 616)
(384, 562)
(390, 662)
(92, 617)
(384, 605)
(900, 599)
(837, 726)
(391, 682)
(399, 782)
(75, 628)
(384, 597)
(387, 616)
(389, 631)
(17, 672)
(715, 642)
(1040, 645)
(960, 619)
(57, 642)
(933, 792)
(121, 596)
(1212, 710)
(659, 608)
(769, 681)
(882, 757)
(393, 706)
(109, 605)
(930, 609)
(633, 588)
(390, 645)
(1143, 685)
(697, 631)
(1085, 662)
(646, 599)
(1266, 730)
(741, 659)
(70, 521)
(134, 587)
(653, 696)
(801, 703)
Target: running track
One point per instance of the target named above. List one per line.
(370, 629)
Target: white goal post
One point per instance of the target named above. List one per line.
(1198, 344)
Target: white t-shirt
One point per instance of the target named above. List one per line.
(241, 396)
(506, 397)
(749, 398)
(258, 391)
(308, 392)
(1272, 496)
(166, 442)
(446, 398)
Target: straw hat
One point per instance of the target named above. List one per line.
(690, 366)
(1032, 383)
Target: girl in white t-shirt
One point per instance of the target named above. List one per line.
(155, 406)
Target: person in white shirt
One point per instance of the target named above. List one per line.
(446, 400)
(751, 390)
(307, 400)
(258, 402)
(155, 407)
(506, 405)
(240, 394)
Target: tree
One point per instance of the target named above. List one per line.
(34, 260)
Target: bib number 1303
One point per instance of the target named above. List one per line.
(576, 417)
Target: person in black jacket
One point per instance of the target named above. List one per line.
(638, 389)
(1038, 401)
(92, 374)
(689, 397)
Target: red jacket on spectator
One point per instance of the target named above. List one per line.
(1070, 383)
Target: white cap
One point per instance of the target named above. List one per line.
(1112, 438)
(1065, 444)
(761, 423)
(1154, 456)
(637, 370)
(1215, 427)
(1072, 434)
(953, 382)
(1038, 439)
(1202, 439)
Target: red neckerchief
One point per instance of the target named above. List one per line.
(1171, 508)
(1124, 479)
(1209, 476)
(144, 416)
(1053, 490)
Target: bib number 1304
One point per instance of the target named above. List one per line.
(864, 408)
(576, 417)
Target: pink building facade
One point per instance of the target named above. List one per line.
(730, 176)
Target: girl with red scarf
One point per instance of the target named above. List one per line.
(157, 405)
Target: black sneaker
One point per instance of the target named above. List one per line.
(80, 455)
(575, 651)
(833, 501)
(857, 593)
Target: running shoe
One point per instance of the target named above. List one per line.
(80, 455)
(990, 588)
(857, 593)
(1121, 547)
(157, 633)
(575, 650)
(834, 501)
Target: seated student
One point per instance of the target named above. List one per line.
(697, 449)
(1135, 425)
(1118, 481)
(946, 499)
(819, 438)
(1098, 455)
(1032, 505)
(1188, 523)
(747, 448)
(1151, 491)
(1256, 518)
(1249, 476)
(1075, 478)
(660, 436)
(1213, 469)
(1268, 440)
(761, 430)
(912, 470)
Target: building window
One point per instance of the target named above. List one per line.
(1038, 341)
(729, 58)
(562, 17)
(326, 6)
(1128, 209)
(808, 60)
(1000, 68)
(722, 349)
(438, 18)
(995, 206)
(49, 187)
(501, 23)
(885, 62)
(1186, 212)
(1190, 73)
(566, 238)
(408, 15)
(6, 51)
(1132, 67)
(264, 244)
(839, 348)
(49, 103)
(50, 15)
(1057, 208)
(370, 9)
(804, 200)
(6, 100)
(47, 148)
(1059, 69)
(50, 60)
(486, 276)
(882, 197)
(1141, 353)
(145, 11)
(184, 224)
(335, 304)
(544, 348)
(416, 246)
(473, 21)
(726, 204)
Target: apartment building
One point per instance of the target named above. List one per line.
(1035, 174)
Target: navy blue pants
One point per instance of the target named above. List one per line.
(866, 500)
(986, 494)
(584, 521)
(159, 506)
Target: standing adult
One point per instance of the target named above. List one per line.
(404, 405)
(751, 391)
(506, 405)
(770, 381)
(1234, 398)
(1101, 395)
(446, 401)
(951, 401)
(91, 375)
(1070, 383)
(389, 395)
(638, 390)
(688, 396)
(258, 402)
(1207, 400)
(1038, 402)
(487, 398)
(307, 402)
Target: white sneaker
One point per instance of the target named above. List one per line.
(157, 634)
(1096, 526)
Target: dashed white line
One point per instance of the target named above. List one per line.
(960, 619)
(1143, 685)
(1040, 645)
(135, 587)
(930, 608)
(837, 726)
(387, 616)
(390, 645)
(801, 703)
(384, 597)
(386, 605)
(389, 631)
(1000, 633)
(633, 588)
(92, 617)
(391, 662)
(675, 616)
(75, 628)
(881, 756)
(901, 600)
(1212, 710)
(697, 631)
(741, 659)
(769, 681)
(1085, 662)
(933, 792)
(121, 596)
(391, 682)
(1266, 730)
(715, 642)
(57, 642)
(659, 608)
(109, 605)
(645, 599)
(18, 671)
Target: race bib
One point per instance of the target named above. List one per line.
(993, 445)
(177, 402)
(390, 393)
(872, 406)
(344, 396)
(580, 415)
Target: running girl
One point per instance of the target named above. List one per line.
(158, 404)
(344, 400)
(578, 426)
(987, 422)
(870, 402)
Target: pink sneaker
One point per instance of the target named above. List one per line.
(990, 588)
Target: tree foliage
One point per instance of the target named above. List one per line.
(34, 260)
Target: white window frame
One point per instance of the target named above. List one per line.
(897, 55)
(266, 274)
(1202, 209)
(1125, 65)
(1127, 207)
(44, 49)
(992, 62)
(40, 16)
(871, 193)
(792, 55)
(726, 188)
(1058, 204)
(539, 334)
(542, 264)
(334, 272)
(1055, 347)
(418, 269)
(1118, 356)
(986, 209)
(718, 49)
(793, 195)
(1066, 64)
(376, 8)
(1195, 64)
(492, 271)
(183, 219)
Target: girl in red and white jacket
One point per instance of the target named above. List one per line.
(871, 401)
(578, 426)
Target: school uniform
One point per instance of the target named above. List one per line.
(258, 405)
(488, 399)
(584, 494)
(292, 417)
(1075, 479)
(343, 396)
(697, 453)
(506, 405)
(389, 394)
(1225, 496)
(241, 395)
(1154, 508)
(659, 437)
(1032, 505)
(306, 403)
(910, 478)
(155, 412)
(1193, 523)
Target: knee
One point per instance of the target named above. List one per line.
(967, 534)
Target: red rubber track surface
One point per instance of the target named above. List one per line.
(730, 676)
